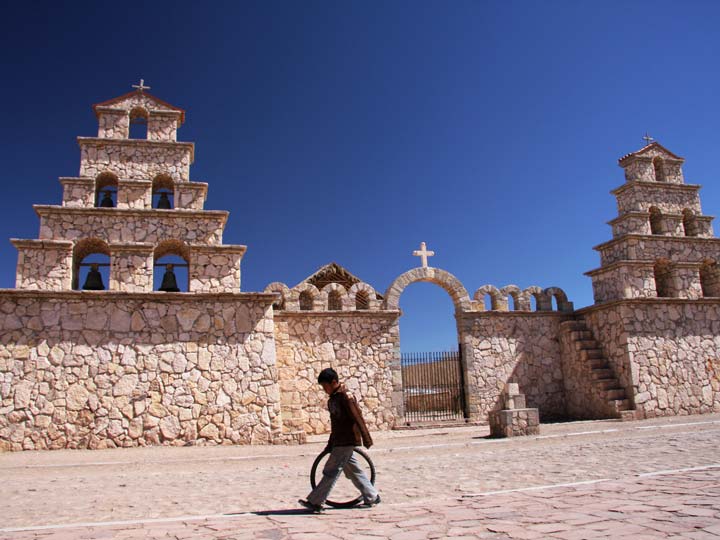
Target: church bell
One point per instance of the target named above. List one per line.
(106, 201)
(164, 202)
(93, 281)
(169, 282)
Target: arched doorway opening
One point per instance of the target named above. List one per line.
(431, 364)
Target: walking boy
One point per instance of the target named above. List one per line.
(348, 430)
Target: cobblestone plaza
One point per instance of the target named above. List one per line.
(603, 479)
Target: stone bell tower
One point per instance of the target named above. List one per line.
(134, 203)
(663, 246)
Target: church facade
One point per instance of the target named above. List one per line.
(128, 327)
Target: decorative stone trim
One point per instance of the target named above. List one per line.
(99, 141)
(655, 186)
(265, 299)
(46, 209)
(680, 240)
(500, 298)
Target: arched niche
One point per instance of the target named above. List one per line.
(90, 255)
(138, 123)
(163, 192)
(106, 189)
(171, 257)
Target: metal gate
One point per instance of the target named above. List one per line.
(433, 386)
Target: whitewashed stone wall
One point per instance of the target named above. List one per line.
(358, 345)
(97, 370)
(665, 352)
(135, 159)
(123, 227)
(502, 347)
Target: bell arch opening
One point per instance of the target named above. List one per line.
(106, 189)
(432, 369)
(91, 265)
(163, 192)
(171, 267)
(138, 123)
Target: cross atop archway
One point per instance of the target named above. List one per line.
(423, 253)
(140, 87)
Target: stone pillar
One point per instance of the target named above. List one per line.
(515, 419)
(134, 194)
(131, 268)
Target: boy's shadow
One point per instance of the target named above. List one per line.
(284, 512)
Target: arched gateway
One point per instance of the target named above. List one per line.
(430, 386)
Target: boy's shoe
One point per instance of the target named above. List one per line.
(314, 508)
(370, 504)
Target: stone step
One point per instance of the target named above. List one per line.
(579, 335)
(591, 354)
(627, 416)
(607, 384)
(573, 325)
(615, 393)
(602, 374)
(598, 363)
(581, 344)
(620, 404)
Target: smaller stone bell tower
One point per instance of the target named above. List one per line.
(133, 202)
(663, 246)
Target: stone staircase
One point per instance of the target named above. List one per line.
(604, 381)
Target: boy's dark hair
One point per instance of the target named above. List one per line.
(327, 375)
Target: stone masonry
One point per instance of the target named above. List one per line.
(131, 365)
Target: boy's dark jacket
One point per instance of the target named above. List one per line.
(347, 425)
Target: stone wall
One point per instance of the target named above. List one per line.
(651, 248)
(96, 370)
(665, 352)
(215, 269)
(190, 195)
(629, 279)
(113, 125)
(358, 345)
(80, 193)
(521, 347)
(115, 226)
(668, 198)
(43, 265)
(135, 159)
(162, 127)
(583, 398)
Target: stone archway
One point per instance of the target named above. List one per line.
(409, 380)
(444, 279)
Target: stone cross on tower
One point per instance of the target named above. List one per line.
(140, 87)
(647, 138)
(423, 253)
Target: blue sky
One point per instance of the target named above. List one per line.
(352, 131)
